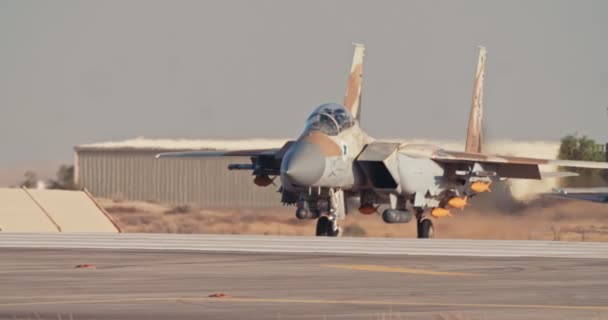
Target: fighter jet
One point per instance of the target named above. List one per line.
(334, 159)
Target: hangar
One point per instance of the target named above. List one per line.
(128, 170)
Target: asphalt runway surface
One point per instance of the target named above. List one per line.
(173, 276)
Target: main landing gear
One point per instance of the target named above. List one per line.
(424, 226)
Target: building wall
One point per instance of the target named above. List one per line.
(137, 175)
(38, 210)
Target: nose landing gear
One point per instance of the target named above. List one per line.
(329, 211)
(327, 226)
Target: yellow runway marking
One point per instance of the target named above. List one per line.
(366, 267)
(312, 301)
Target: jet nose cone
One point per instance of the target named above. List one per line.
(303, 165)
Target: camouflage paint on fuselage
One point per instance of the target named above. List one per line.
(339, 152)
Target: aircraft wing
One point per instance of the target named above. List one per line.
(264, 162)
(232, 153)
(510, 166)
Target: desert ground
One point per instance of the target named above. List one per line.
(539, 219)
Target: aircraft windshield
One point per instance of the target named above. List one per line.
(330, 118)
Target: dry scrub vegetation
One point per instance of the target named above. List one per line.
(553, 219)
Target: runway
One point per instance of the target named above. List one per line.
(172, 276)
(292, 244)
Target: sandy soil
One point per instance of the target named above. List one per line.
(545, 219)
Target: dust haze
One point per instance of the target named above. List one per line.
(541, 219)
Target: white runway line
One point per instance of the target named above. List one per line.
(299, 244)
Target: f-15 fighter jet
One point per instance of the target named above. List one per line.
(335, 159)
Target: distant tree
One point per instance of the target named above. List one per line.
(583, 148)
(31, 180)
(568, 147)
(65, 178)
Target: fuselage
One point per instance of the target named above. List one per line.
(325, 154)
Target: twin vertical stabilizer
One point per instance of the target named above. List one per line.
(474, 142)
(474, 133)
(352, 99)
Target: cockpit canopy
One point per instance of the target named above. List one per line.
(330, 118)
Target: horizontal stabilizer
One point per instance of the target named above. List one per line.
(558, 174)
(599, 190)
(584, 194)
(514, 167)
(579, 164)
(462, 157)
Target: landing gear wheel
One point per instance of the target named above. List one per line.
(327, 227)
(334, 231)
(425, 229)
(322, 226)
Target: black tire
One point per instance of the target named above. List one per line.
(332, 230)
(326, 227)
(426, 229)
(323, 225)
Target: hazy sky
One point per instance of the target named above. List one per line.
(75, 72)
